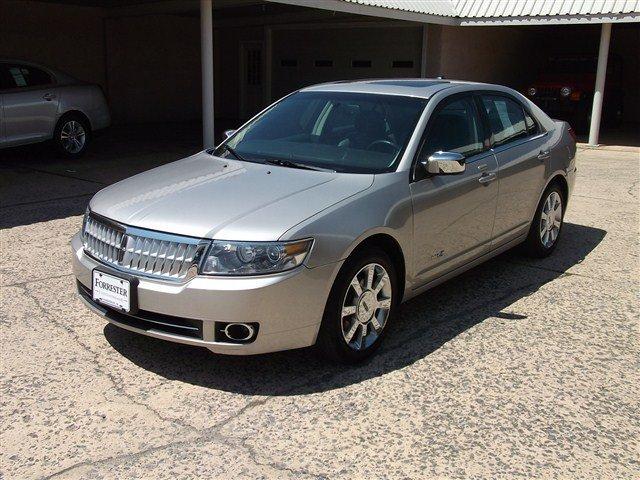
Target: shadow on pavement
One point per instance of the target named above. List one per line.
(423, 325)
(38, 186)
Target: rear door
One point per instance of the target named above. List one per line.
(453, 214)
(519, 144)
(30, 104)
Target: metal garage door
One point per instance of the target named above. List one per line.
(304, 56)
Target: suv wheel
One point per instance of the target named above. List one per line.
(72, 135)
(546, 227)
(361, 305)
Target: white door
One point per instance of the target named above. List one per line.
(251, 79)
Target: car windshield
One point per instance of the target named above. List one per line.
(345, 132)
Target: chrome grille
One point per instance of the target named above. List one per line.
(141, 251)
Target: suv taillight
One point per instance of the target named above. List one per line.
(572, 132)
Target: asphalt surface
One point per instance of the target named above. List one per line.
(518, 368)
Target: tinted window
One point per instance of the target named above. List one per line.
(506, 118)
(5, 81)
(27, 76)
(347, 132)
(455, 128)
(530, 123)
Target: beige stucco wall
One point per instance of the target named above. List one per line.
(482, 54)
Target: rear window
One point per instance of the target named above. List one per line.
(26, 76)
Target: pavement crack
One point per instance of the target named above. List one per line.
(37, 280)
(279, 467)
(205, 435)
(113, 380)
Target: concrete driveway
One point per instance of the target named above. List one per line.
(519, 368)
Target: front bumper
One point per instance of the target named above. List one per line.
(288, 307)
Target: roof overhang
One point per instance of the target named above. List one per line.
(398, 14)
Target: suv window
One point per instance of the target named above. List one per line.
(455, 128)
(27, 76)
(506, 118)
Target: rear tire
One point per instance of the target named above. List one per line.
(72, 135)
(357, 317)
(546, 227)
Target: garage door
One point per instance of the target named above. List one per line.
(307, 56)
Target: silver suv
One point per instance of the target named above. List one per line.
(312, 222)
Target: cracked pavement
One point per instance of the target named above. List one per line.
(518, 368)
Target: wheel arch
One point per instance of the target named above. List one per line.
(79, 113)
(560, 178)
(389, 245)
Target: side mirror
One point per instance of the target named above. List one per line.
(228, 133)
(444, 163)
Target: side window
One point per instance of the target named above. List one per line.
(531, 124)
(455, 128)
(6, 82)
(342, 117)
(27, 76)
(506, 118)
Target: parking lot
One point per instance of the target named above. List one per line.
(518, 368)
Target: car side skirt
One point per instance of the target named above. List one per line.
(410, 293)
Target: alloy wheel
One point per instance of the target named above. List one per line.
(550, 219)
(73, 136)
(366, 306)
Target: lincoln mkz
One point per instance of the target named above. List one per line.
(315, 220)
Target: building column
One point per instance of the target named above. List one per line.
(206, 58)
(424, 55)
(598, 93)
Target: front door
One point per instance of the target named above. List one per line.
(29, 106)
(251, 79)
(453, 213)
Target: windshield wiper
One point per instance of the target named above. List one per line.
(233, 152)
(288, 163)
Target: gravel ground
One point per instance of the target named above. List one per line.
(518, 368)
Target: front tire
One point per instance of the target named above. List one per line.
(360, 307)
(546, 227)
(71, 136)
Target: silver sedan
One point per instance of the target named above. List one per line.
(312, 222)
(39, 104)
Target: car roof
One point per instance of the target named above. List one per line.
(409, 87)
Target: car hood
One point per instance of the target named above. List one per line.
(211, 197)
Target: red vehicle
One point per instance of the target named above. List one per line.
(565, 90)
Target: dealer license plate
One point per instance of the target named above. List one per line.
(112, 291)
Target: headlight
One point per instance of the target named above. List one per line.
(254, 258)
(565, 91)
(532, 91)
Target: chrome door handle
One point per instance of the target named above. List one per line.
(487, 178)
(543, 155)
(48, 96)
